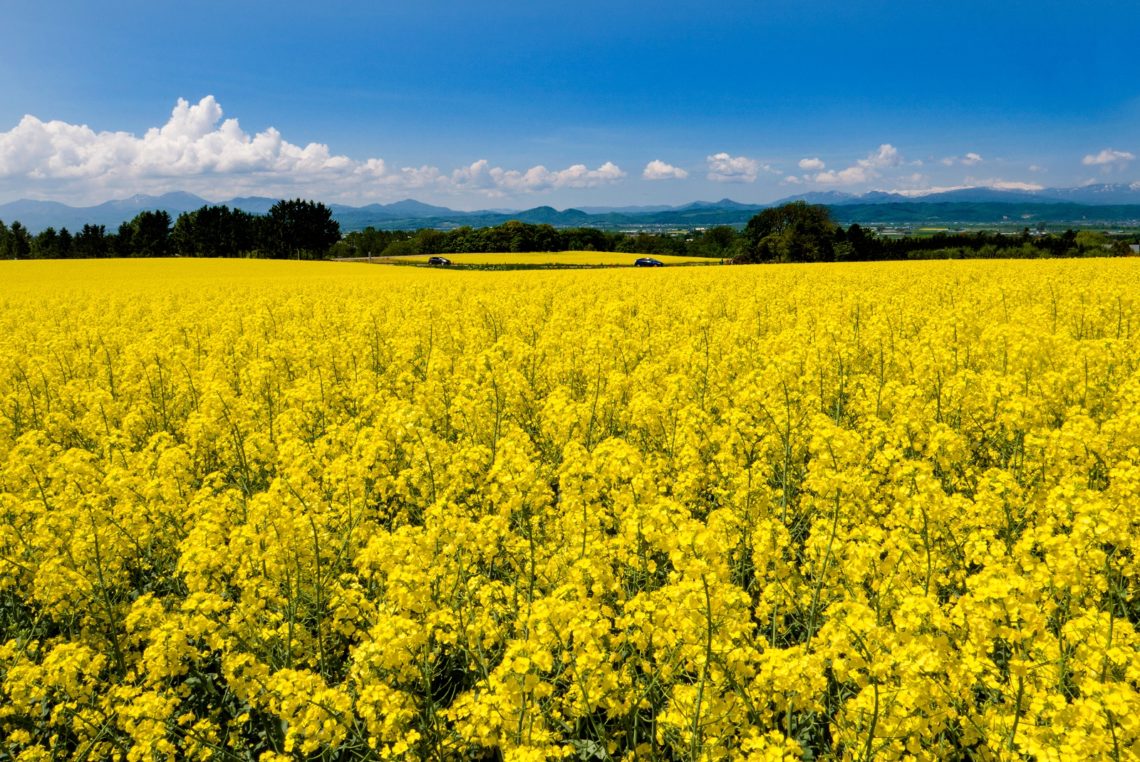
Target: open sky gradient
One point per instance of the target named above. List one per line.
(511, 104)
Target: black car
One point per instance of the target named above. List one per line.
(648, 262)
(439, 261)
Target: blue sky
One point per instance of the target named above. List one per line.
(496, 104)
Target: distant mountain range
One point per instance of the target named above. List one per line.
(1110, 203)
(1094, 195)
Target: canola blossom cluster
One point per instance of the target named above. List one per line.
(285, 510)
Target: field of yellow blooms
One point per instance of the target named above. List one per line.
(283, 510)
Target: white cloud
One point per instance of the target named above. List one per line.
(919, 192)
(477, 176)
(1036, 168)
(887, 156)
(540, 178)
(659, 170)
(191, 142)
(496, 181)
(1013, 185)
(969, 160)
(862, 171)
(812, 164)
(792, 180)
(1108, 157)
(996, 184)
(414, 178)
(850, 176)
(724, 168)
(199, 151)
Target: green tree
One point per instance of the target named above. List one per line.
(122, 242)
(214, 231)
(66, 241)
(400, 248)
(428, 241)
(587, 239)
(795, 232)
(1093, 243)
(150, 234)
(19, 241)
(862, 242)
(368, 242)
(91, 242)
(46, 244)
(299, 230)
(721, 242)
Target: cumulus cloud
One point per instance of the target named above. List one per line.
(476, 176)
(1107, 158)
(862, 171)
(1014, 185)
(192, 142)
(540, 178)
(197, 150)
(850, 176)
(724, 168)
(496, 181)
(659, 170)
(887, 156)
(969, 160)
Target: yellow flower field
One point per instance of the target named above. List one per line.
(581, 258)
(273, 510)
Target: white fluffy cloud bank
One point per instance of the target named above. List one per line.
(724, 168)
(969, 160)
(198, 150)
(659, 170)
(861, 172)
(483, 177)
(971, 183)
(887, 156)
(1108, 157)
(854, 175)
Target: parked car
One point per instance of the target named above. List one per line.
(439, 261)
(648, 262)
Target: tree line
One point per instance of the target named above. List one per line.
(801, 232)
(520, 237)
(293, 229)
(795, 232)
